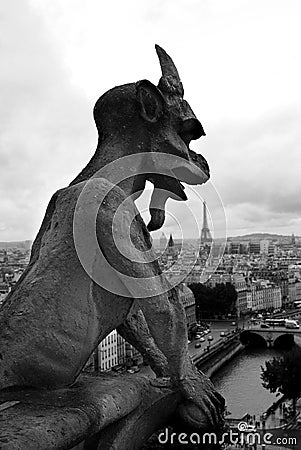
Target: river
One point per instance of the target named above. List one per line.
(240, 383)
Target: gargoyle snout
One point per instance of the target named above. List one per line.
(191, 129)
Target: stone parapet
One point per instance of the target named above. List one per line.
(97, 412)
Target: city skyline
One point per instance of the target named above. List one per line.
(240, 68)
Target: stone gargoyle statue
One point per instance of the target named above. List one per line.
(57, 313)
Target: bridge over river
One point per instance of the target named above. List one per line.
(273, 336)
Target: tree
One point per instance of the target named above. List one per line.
(283, 375)
(217, 300)
(203, 300)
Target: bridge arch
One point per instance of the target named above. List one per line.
(285, 340)
(252, 338)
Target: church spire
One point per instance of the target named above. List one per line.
(171, 242)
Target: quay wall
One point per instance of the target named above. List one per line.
(219, 355)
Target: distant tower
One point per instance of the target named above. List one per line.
(293, 239)
(172, 250)
(206, 237)
(171, 242)
(163, 240)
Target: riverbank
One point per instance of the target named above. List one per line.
(212, 362)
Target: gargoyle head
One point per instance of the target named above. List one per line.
(155, 120)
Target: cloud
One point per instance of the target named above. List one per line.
(256, 166)
(240, 66)
(46, 124)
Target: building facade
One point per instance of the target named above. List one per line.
(188, 301)
(266, 296)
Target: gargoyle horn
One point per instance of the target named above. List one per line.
(170, 82)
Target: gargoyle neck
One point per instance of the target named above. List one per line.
(111, 151)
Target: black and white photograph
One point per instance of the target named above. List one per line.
(150, 225)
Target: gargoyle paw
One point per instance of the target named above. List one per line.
(203, 407)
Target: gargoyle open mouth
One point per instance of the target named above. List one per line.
(193, 170)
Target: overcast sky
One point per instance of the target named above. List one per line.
(239, 61)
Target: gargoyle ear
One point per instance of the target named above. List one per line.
(151, 100)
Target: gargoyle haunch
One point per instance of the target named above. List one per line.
(56, 315)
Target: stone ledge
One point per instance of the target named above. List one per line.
(105, 412)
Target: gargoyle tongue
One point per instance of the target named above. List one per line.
(157, 219)
(164, 187)
(193, 170)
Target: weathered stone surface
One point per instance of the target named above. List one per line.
(119, 406)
